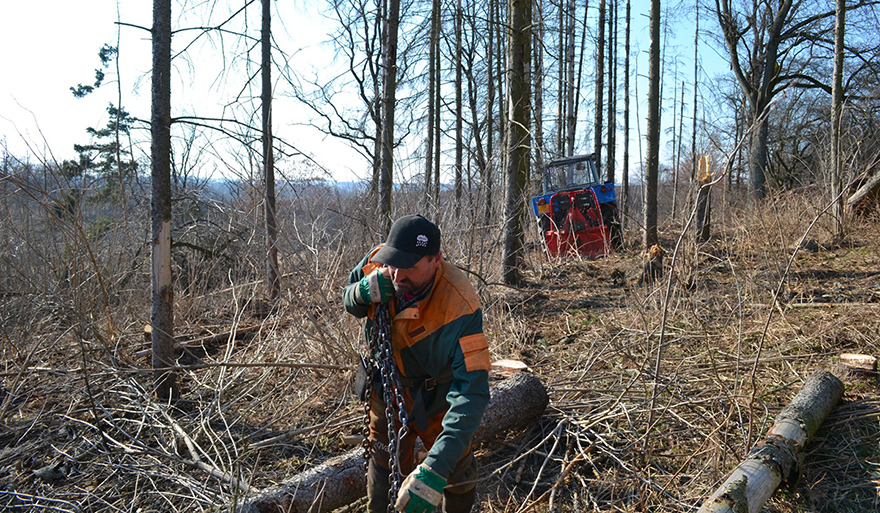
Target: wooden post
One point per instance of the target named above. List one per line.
(775, 459)
(341, 481)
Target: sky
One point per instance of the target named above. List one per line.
(50, 46)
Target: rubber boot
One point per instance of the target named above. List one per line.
(377, 488)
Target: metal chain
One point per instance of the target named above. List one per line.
(392, 395)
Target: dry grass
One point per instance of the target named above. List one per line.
(81, 430)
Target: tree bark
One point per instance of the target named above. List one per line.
(459, 114)
(518, 139)
(389, 93)
(273, 279)
(612, 91)
(600, 87)
(538, 54)
(836, 116)
(775, 459)
(433, 82)
(162, 312)
(653, 158)
(570, 93)
(624, 187)
(514, 403)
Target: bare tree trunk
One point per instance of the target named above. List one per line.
(561, 136)
(612, 91)
(389, 92)
(459, 142)
(433, 43)
(490, 116)
(624, 189)
(600, 87)
(378, 110)
(836, 116)
(570, 93)
(776, 458)
(653, 157)
(273, 280)
(437, 110)
(696, 83)
(677, 165)
(518, 143)
(538, 53)
(580, 72)
(162, 313)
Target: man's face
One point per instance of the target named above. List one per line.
(416, 278)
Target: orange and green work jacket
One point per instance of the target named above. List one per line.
(439, 337)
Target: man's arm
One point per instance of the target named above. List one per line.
(467, 397)
(349, 292)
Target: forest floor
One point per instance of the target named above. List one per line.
(619, 436)
(84, 433)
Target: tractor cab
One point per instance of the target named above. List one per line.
(576, 213)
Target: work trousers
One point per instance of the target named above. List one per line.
(460, 492)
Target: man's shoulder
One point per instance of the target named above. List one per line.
(454, 287)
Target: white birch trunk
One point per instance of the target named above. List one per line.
(775, 459)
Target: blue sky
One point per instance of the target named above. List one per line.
(52, 45)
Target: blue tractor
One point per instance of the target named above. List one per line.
(576, 212)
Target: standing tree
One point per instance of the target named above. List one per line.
(273, 280)
(612, 91)
(538, 75)
(624, 188)
(774, 46)
(459, 113)
(389, 92)
(759, 76)
(570, 92)
(106, 157)
(433, 83)
(653, 165)
(836, 116)
(518, 139)
(162, 312)
(600, 86)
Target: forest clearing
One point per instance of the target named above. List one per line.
(267, 394)
(674, 284)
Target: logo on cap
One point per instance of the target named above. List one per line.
(422, 241)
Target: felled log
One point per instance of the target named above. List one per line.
(862, 199)
(514, 402)
(775, 459)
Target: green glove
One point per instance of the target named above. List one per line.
(421, 491)
(375, 287)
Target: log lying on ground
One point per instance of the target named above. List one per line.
(775, 458)
(514, 402)
(869, 192)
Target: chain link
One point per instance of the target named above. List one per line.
(392, 395)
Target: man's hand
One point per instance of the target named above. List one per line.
(421, 491)
(375, 287)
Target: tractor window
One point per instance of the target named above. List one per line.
(569, 175)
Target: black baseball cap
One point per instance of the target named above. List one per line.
(410, 239)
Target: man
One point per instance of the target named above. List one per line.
(443, 359)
